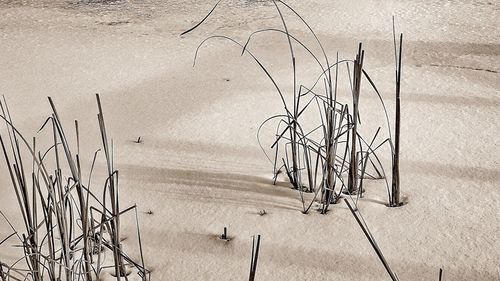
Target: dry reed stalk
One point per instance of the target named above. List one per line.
(352, 184)
(255, 257)
(370, 238)
(396, 190)
(330, 159)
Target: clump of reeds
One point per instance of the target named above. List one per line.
(331, 157)
(68, 226)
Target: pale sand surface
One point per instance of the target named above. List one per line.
(200, 168)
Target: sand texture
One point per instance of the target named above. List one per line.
(199, 166)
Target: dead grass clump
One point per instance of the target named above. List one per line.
(69, 227)
(330, 157)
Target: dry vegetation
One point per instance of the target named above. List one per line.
(331, 157)
(316, 157)
(69, 226)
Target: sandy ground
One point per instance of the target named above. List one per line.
(199, 167)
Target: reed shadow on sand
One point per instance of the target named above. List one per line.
(340, 263)
(465, 101)
(479, 174)
(228, 188)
